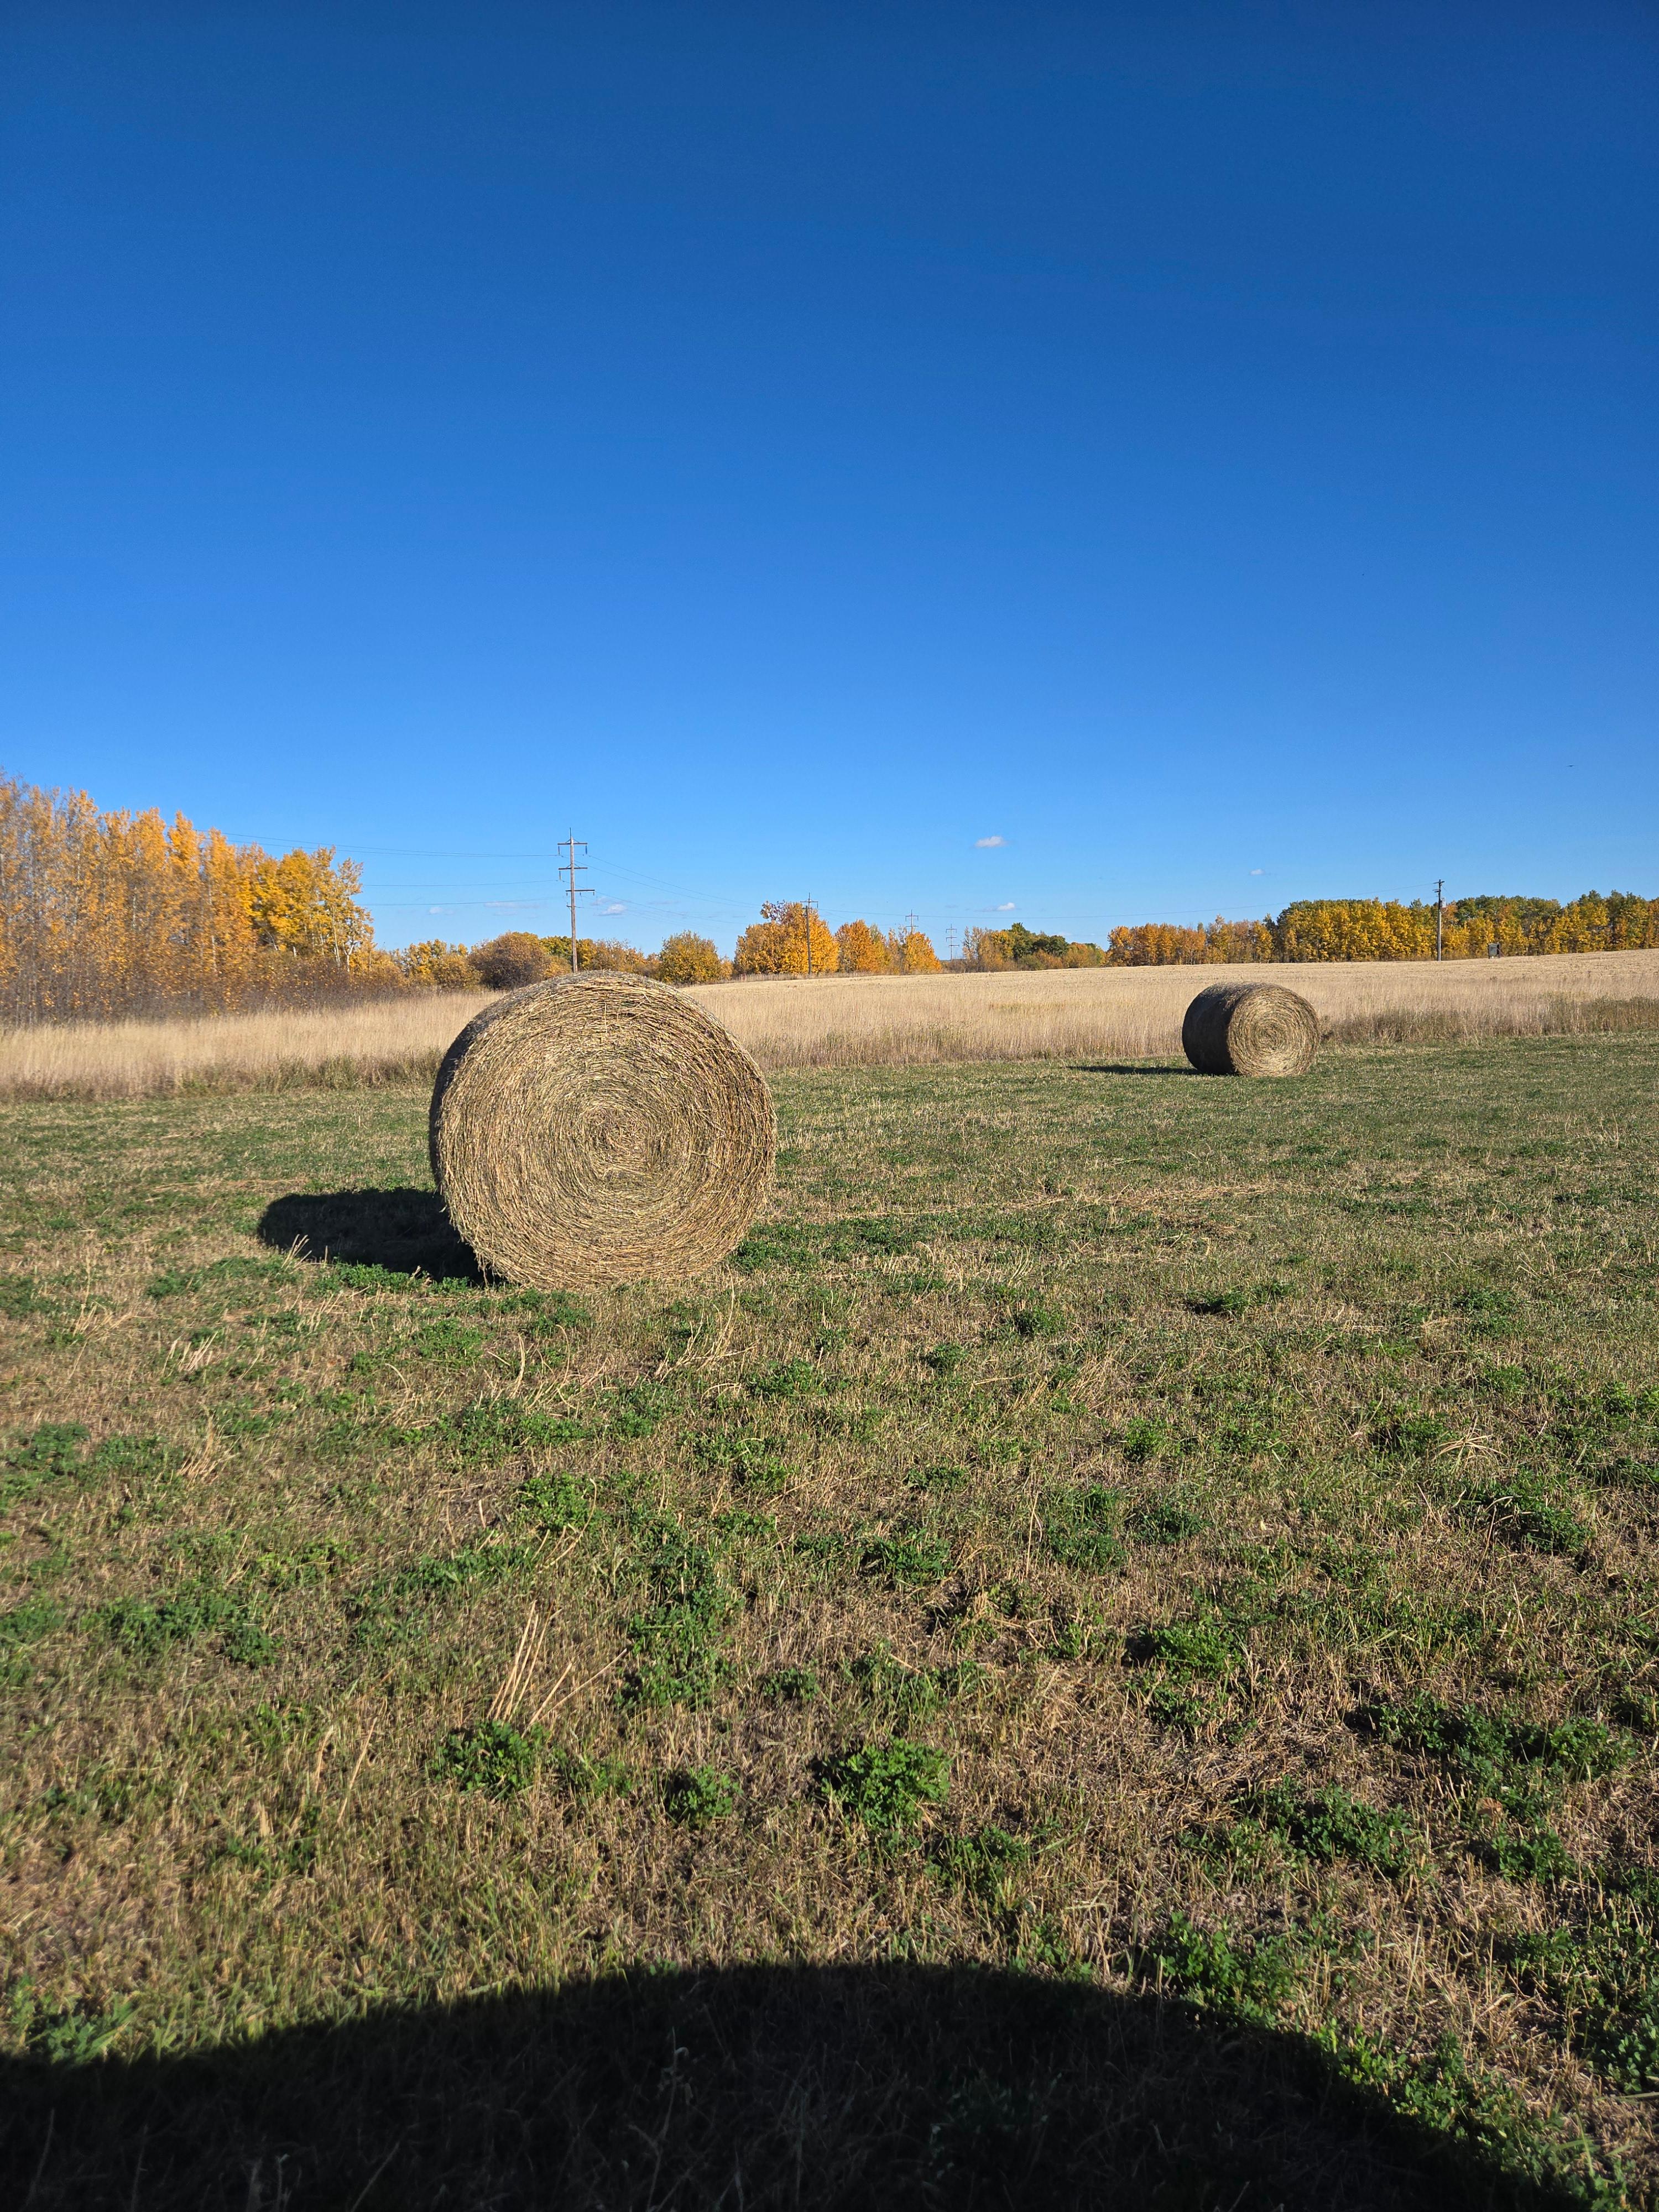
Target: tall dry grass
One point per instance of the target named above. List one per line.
(839, 1021)
(387, 1041)
(1135, 1013)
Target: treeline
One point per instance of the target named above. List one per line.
(508, 962)
(1388, 929)
(792, 939)
(109, 914)
(789, 939)
(1019, 947)
(1307, 929)
(106, 915)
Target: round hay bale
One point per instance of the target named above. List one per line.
(599, 1129)
(1249, 1028)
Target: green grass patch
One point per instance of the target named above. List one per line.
(887, 1786)
(695, 1797)
(494, 1758)
(147, 1628)
(1332, 1826)
(1217, 1970)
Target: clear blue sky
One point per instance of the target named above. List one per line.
(1208, 450)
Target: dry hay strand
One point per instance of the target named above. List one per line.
(599, 1129)
(1249, 1028)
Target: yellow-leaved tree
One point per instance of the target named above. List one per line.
(1239, 940)
(104, 914)
(777, 944)
(305, 903)
(688, 958)
(911, 952)
(598, 952)
(433, 965)
(863, 950)
(1156, 944)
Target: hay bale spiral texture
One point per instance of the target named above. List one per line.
(599, 1129)
(1249, 1028)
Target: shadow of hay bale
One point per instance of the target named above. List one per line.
(810, 2086)
(1132, 1068)
(405, 1231)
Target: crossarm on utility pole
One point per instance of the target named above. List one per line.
(572, 867)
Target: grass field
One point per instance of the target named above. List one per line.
(856, 1021)
(1112, 1655)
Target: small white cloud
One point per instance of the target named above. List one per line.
(1007, 906)
(613, 909)
(985, 844)
(1256, 872)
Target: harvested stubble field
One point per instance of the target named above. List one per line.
(857, 1021)
(1114, 1649)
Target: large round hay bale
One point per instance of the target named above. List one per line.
(599, 1129)
(1249, 1028)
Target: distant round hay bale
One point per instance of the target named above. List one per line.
(1249, 1028)
(599, 1129)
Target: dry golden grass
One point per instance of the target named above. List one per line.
(1135, 1013)
(852, 1021)
(386, 1040)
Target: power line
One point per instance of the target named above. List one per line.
(528, 896)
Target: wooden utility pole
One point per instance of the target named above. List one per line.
(572, 867)
(809, 936)
(1440, 918)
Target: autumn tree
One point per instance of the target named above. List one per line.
(306, 904)
(1392, 929)
(759, 950)
(1239, 941)
(1623, 922)
(607, 953)
(434, 966)
(1355, 929)
(862, 950)
(911, 951)
(777, 943)
(507, 962)
(1156, 944)
(980, 948)
(103, 915)
(689, 958)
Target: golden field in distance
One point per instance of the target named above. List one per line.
(1120, 1013)
(1135, 1013)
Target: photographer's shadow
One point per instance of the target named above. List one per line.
(821, 2090)
(404, 1230)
